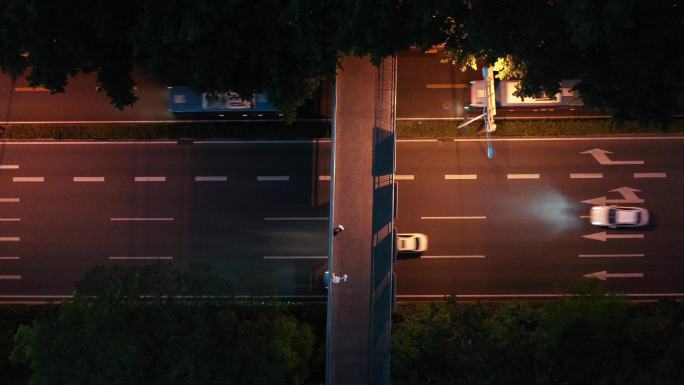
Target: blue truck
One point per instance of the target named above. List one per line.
(184, 101)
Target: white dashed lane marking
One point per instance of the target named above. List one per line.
(9, 200)
(141, 219)
(9, 166)
(460, 176)
(89, 179)
(273, 178)
(522, 176)
(586, 176)
(150, 179)
(35, 179)
(211, 179)
(403, 177)
(638, 175)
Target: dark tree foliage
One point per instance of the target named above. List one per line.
(628, 54)
(587, 339)
(146, 326)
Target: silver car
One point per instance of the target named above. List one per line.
(618, 216)
(412, 243)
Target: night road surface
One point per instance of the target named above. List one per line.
(512, 225)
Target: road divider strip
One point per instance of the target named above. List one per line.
(10, 277)
(403, 177)
(273, 178)
(324, 177)
(586, 176)
(34, 179)
(448, 218)
(9, 200)
(522, 176)
(296, 257)
(89, 179)
(10, 219)
(9, 166)
(638, 175)
(150, 179)
(211, 179)
(296, 218)
(8, 258)
(611, 255)
(460, 176)
(142, 258)
(452, 257)
(10, 239)
(161, 219)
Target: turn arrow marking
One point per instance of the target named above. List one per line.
(603, 275)
(603, 235)
(628, 196)
(602, 158)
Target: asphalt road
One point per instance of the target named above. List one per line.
(239, 207)
(426, 89)
(523, 236)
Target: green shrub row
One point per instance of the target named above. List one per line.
(448, 129)
(143, 131)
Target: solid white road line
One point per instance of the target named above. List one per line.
(584, 216)
(10, 239)
(586, 176)
(89, 179)
(471, 217)
(550, 295)
(272, 178)
(139, 219)
(28, 179)
(452, 257)
(296, 218)
(611, 255)
(150, 179)
(650, 175)
(9, 200)
(9, 166)
(324, 177)
(8, 258)
(10, 219)
(522, 176)
(10, 277)
(211, 179)
(460, 176)
(141, 258)
(296, 257)
(403, 177)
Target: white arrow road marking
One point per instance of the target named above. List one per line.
(611, 255)
(603, 235)
(603, 275)
(602, 158)
(628, 195)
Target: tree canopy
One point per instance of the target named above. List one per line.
(146, 326)
(628, 55)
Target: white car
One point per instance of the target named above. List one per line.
(411, 242)
(618, 216)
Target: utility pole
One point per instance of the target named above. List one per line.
(489, 109)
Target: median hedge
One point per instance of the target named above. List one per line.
(320, 129)
(176, 130)
(543, 127)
